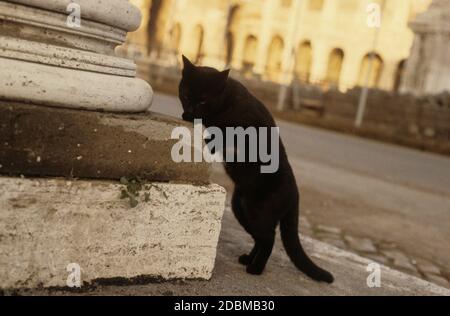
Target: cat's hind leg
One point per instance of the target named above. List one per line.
(247, 259)
(262, 224)
(263, 232)
(262, 251)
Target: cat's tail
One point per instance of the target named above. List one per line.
(295, 251)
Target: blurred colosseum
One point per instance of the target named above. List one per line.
(332, 42)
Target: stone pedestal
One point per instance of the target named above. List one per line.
(61, 201)
(428, 68)
(47, 60)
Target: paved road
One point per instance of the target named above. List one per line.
(390, 198)
(376, 159)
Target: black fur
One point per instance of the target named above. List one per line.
(260, 201)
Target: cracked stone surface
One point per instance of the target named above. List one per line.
(47, 224)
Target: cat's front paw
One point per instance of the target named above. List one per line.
(254, 270)
(245, 260)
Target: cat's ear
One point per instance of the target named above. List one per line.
(187, 63)
(224, 75)
(221, 79)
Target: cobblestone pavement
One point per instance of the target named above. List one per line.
(384, 252)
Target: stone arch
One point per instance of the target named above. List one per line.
(249, 55)
(198, 38)
(376, 70)
(159, 12)
(175, 39)
(275, 58)
(233, 22)
(229, 54)
(303, 61)
(335, 61)
(399, 75)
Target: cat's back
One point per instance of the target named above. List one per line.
(246, 107)
(245, 110)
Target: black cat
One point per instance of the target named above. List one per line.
(260, 200)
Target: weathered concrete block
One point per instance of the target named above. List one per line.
(43, 141)
(46, 224)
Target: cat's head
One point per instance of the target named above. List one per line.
(201, 91)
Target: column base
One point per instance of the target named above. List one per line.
(70, 88)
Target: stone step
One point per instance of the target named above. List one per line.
(44, 141)
(48, 224)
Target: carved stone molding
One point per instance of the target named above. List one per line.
(45, 60)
